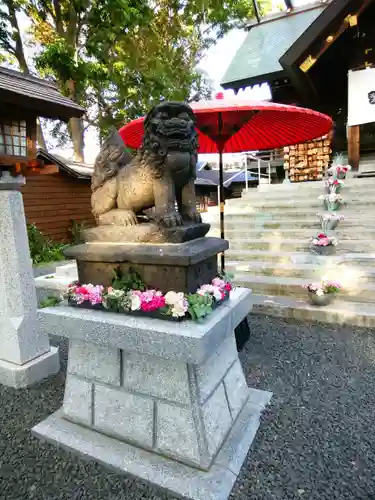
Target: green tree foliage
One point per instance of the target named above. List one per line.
(119, 57)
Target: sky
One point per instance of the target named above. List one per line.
(214, 63)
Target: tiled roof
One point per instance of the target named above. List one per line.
(266, 43)
(39, 95)
(75, 169)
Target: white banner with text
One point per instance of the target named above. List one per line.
(361, 97)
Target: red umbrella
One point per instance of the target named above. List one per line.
(233, 125)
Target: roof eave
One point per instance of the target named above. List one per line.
(322, 22)
(256, 80)
(42, 107)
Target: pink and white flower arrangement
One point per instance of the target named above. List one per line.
(322, 240)
(219, 289)
(333, 185)
(86, 293)
(323, 288)
(175, 304)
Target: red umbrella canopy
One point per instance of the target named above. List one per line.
(232, 126)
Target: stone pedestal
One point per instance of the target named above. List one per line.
(166, 402)
(182, 267)
(25, 353)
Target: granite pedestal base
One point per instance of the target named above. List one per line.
(181, 267)
(25, 353)
(21, 376)
(165, 402)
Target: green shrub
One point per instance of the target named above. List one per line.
(49, 302)
(43, 250)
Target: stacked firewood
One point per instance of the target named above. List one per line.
(308, 161)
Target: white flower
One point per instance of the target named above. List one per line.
(179, 308)
(320, 292)
(172, 298)
(135, 303)
(217, 293)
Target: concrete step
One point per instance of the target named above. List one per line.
(338, 313)
(53, 285)
(247, 256)
(277, 243)
(350, 182)
(365, 212)
(283, 286)
(296, 206)
(353, 192)
(347, 273)
(232, 233)
(304, 200)
(242, 221)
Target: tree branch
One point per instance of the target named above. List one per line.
(58, 18)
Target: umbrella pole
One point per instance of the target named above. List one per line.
(222, 205)
(221, 189)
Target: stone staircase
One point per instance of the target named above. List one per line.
(269, 230)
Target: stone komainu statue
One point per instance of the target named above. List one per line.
(161, 174)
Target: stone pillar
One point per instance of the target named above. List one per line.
(25, 354)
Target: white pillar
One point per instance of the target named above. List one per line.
(25, 353)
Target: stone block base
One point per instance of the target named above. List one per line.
(19, 376)
(177, 409)
(166, 402)
(188, 482)
(181, 267)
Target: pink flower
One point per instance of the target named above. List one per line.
(218, 282)
(152, 305)
(228, 287)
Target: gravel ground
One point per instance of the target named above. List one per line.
(316, 440)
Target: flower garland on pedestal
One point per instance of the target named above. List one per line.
(150, 302)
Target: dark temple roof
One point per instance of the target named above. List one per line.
(257, 60)
(37, 95)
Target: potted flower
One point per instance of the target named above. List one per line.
(338, 170)
(322, 294)
(323, 244)
(331, 201)
(333, 185)
(329, 220)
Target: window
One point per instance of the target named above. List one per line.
(13, 138)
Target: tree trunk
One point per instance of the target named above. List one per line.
(76, 127)
(76, 134)
(40, 136)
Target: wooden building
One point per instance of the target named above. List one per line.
(58, 199)
(23, 98)
(305, 55)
